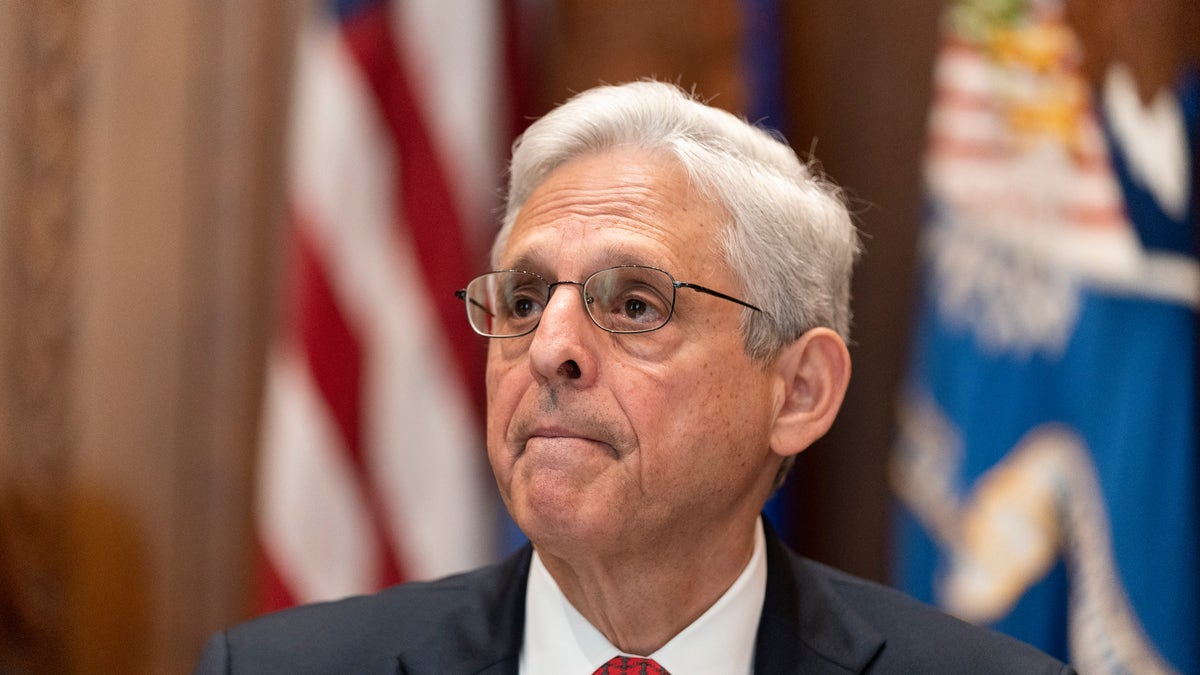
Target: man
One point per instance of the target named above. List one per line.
(667, 331)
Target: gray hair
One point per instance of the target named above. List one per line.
(789, 240)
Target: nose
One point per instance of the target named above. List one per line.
(563, 345)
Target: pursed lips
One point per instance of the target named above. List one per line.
(557, 434)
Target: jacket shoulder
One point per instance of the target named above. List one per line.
(921, 638)
(366, 634)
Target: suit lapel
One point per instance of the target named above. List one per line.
(484, 634)
(805, 627)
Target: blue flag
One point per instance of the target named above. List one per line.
(1048, 469)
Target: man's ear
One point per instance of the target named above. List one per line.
(814, 372)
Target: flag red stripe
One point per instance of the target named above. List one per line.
(273, 593)
(424, 195)
(334, 357)
(330, 347)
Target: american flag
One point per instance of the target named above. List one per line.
(373, 468)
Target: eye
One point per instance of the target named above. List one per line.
(520, 298)
(630, 299)
(524, 303)
(635, 308)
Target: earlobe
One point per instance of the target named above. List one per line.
(814, 372)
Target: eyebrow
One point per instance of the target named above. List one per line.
(611, 256)
(523, 262)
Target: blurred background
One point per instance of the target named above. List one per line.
(173, 175)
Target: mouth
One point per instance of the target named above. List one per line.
(557, 432)
(554, 438)
(540, 424)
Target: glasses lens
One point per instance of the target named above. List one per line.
(630, 299)
(504, 304)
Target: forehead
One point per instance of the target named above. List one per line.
(623, 206)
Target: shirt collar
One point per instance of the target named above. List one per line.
(721, 641)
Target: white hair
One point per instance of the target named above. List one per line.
(789, 239)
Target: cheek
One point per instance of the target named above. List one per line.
(715, 403)
(503, 393)
(677, 407)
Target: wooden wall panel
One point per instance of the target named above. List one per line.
(858, 78)
(141, 203)
(695, 43)
(183, 202)
(39, 85)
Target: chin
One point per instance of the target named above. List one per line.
(560, 526)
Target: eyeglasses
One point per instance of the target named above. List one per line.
(623, 299)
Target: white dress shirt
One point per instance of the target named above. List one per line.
(559, 641)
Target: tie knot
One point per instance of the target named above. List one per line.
(630, 665)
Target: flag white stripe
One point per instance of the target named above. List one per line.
(314, 522)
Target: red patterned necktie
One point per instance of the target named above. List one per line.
(630, 665)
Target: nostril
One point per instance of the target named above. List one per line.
(569, 369)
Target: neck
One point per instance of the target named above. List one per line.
(640, 600)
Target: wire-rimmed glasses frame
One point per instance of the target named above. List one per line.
(625, 299)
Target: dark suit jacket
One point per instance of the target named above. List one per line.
(815, 620)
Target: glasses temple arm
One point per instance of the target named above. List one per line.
(719, 294)
(462, 295)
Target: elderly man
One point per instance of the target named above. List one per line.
(667, 328)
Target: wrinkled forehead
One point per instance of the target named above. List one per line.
(622, 206)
